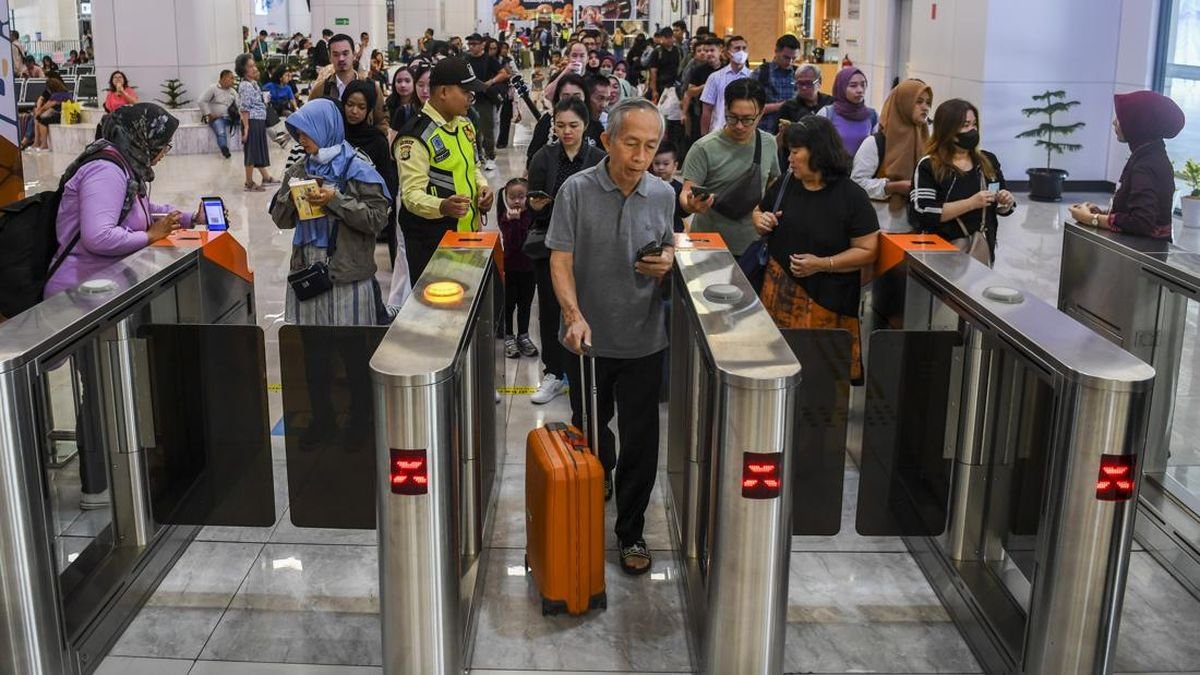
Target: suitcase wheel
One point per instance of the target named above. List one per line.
(553, 607)
(599, 601)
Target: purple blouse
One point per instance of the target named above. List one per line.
(91, 204)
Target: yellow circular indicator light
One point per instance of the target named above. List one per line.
(443, 293)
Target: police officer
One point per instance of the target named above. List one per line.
(441, 186)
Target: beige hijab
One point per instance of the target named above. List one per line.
(905, 138)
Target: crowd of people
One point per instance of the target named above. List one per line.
(633, 139)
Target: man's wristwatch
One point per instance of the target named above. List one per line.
(1095, 220)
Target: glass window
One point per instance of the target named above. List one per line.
(1180, 74)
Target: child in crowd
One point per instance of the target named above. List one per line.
(665, 164)
(519, 284)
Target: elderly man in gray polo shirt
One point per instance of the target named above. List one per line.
(611, 245)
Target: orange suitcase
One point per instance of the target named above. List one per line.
(564, 515)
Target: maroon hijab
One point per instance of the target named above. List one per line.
(851, 111)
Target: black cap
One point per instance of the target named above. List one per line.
(474, 37)
(455, 70)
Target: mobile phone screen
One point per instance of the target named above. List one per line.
(214, 214)
(993, 187)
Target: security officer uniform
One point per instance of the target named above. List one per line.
(437, 160)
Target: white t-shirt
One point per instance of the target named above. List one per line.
(714, 93)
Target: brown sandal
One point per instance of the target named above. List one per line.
(250, 186)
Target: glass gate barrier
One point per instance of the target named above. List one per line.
(1144, 295)
(162, 443)
(1008, 452)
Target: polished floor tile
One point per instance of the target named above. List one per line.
(127, 665)
(868, 612)
(242, 668)
(1156, 611)
(181, 614)
(304, 603)
(641, 631)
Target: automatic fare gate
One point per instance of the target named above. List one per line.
(734, 391)
(439, 437)
(1005, 441)
(165, 376)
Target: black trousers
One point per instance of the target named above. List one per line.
(487, 126)
(518, 294)
(631, 387)
(506, 117)
(420, 243)
(554, 355)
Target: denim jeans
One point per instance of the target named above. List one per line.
(220, 127)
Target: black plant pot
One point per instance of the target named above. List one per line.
(1046, 185)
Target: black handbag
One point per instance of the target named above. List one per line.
(272, 116)
(738, 200)
(311, 281)
(534, 247)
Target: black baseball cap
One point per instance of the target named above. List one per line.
(455, 70)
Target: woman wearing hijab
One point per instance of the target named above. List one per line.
(850, 114)
(357, 102)
(885, 161)
(355, 200)
(106, 213)
(1143, 202)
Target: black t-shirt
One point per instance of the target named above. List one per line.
(485, 67)
(667, 61)
(822, 223)
(700, 75)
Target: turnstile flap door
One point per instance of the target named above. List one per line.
(329, 424)
(211, 464)
(819, 440)
(905, 483)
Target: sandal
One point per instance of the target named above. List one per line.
(633, 557)
(270, 180)
(251, 187)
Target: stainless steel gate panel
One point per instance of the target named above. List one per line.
(438, 439)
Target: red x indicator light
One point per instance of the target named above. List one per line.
(761, 475)
(1116, 480)
(409, 472)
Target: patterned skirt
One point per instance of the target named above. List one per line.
(354, 304)
(791, 307)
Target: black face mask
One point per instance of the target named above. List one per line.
(968, 140)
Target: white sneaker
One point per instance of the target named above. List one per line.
(489, 165)
(550, 388)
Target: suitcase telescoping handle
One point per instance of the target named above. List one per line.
(591, 420)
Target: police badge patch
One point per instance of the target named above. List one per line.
(440, 151)
(405, 150)
(470, 132)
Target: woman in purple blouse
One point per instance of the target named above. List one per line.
(106, 213)
(850, 114)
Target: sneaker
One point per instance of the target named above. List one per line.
(91, 501)
(489, 165)
(510, 347)
(548, 390)
(526, 346)
(225, 153)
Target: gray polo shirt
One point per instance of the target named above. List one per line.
(605, 230)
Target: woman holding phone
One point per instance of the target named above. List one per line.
(548, 170)
(959, 189)
(106, 213)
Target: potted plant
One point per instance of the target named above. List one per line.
(1046, 184)
(1190, 203)
(174, 91)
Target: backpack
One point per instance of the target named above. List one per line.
(29, 240)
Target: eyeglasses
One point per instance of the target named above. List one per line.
(806, 83)
(734, 120)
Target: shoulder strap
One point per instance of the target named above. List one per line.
(757, 147)
(782, 188)
(329, 87)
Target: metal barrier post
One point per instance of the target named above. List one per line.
(432, 456)
(733, 407)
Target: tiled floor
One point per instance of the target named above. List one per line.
(288, 600)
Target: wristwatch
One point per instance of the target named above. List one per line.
(1095, 220)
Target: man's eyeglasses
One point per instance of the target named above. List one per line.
(806, 83)
(734, 120)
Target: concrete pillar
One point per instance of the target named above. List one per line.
(154, 40)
